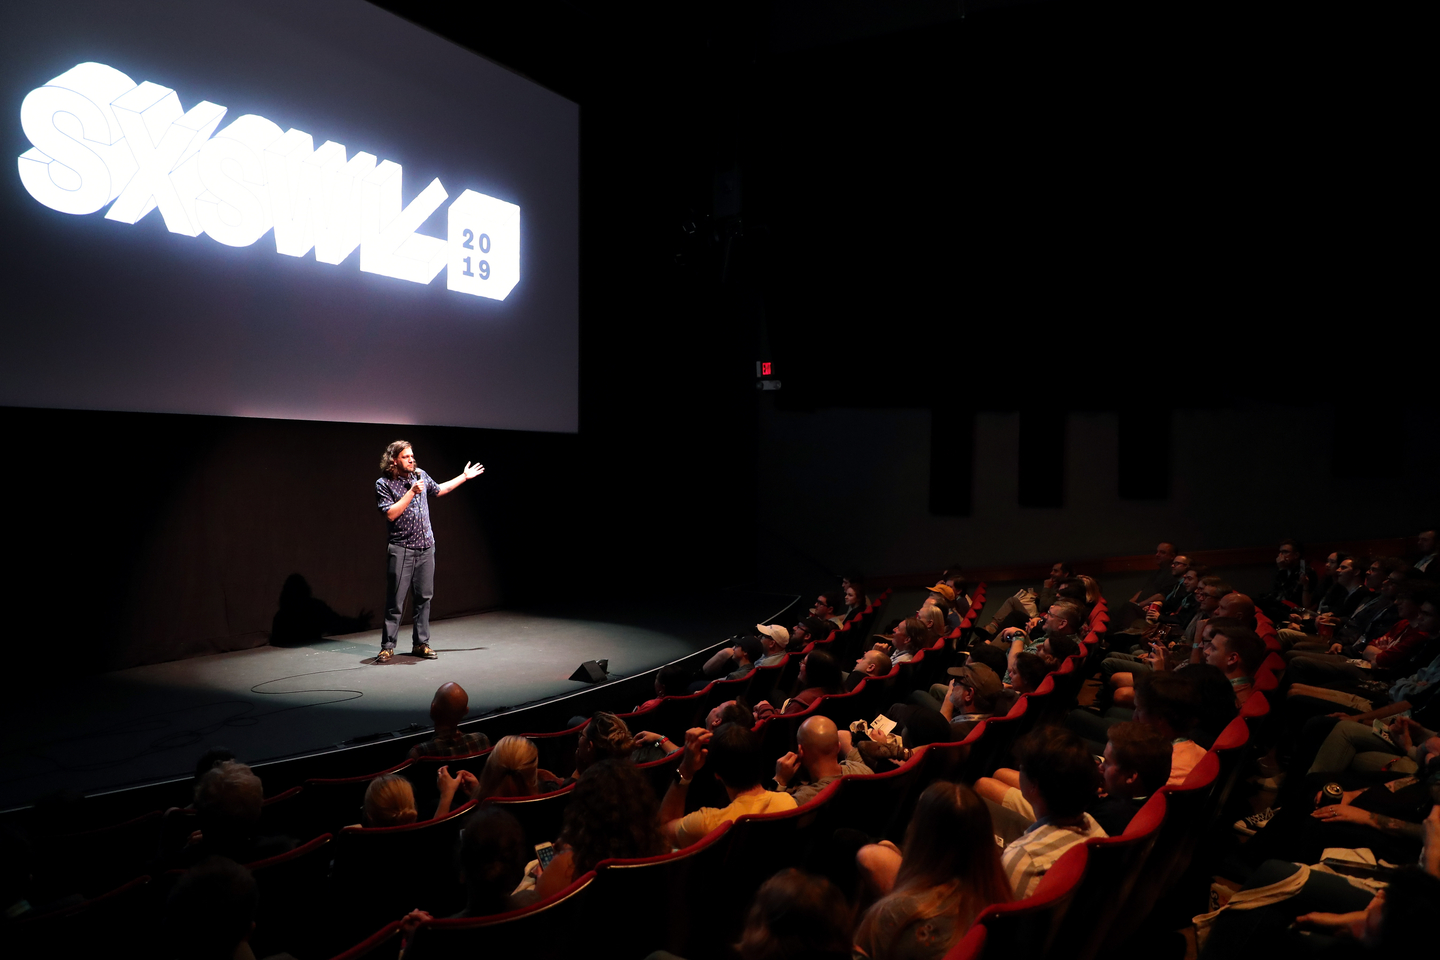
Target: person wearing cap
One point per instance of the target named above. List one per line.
(942, 595)
(774, 640)
(937, 609)
(966, 700)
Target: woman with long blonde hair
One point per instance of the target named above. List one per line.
(947, 874)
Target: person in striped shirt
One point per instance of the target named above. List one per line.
(1058, 777)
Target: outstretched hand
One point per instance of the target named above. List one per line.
(473, 470)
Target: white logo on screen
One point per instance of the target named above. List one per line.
(100, 138)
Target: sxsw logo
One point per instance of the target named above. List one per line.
(101, 139)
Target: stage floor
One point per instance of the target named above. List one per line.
(149, 723)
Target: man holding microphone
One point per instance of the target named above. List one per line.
(402, 494)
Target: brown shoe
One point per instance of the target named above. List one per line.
(384, 656)
(424, 653)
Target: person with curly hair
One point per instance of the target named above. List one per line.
(613, 814)
(402, 493)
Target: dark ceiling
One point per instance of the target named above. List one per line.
(923, 202)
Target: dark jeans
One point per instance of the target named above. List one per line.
(1265, 931)
(409, 572)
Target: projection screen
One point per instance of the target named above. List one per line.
(306, 210)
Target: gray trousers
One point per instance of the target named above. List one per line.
(410, 572)
(1354, 747)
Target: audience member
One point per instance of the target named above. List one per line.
(830, 605)
(855, 599)
(1373, 618)
(512, 770)
(817, 756)
(733, 753)
(1027, 603)
(774, 641)
(733, 662)
(795, 916)
(1136, 763)
(810, 630)
(907, 639)
(872, 663)
(1058, 778)
(1163, 580)
(670, 681)
(1424, 564)
(1294, 584)
(947, 873)
(389, 801)
(492, 859)
(228, 800)
(1171, 706)
(447, 709)
(612, 814)
(819, 677)
(210, 912)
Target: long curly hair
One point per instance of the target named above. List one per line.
(612, 813)
(389, 464)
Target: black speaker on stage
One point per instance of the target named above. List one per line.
(591, 671)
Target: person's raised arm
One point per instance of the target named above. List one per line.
(471, 471)
(400, 506)
(672, 807)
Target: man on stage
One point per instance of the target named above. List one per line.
(402, 493)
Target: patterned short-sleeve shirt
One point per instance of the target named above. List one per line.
(412, 528)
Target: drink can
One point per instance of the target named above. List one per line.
(1330, 795)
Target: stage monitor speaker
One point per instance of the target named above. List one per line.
(591, 671)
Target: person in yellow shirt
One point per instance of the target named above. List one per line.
(733, 754)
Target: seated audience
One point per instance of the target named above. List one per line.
(817, 757)
(1058, 778)
(808, 631)
(612, 814)
(774, 641)
(796, 916)
(447, 709)
(733, 754)
(830, 605)
(1163, 580)
(210, 912)
(1030, 670)
(670, 681)
(1062, 620)
(389, 801)
(1294, 584)
(1136, 764)
(1373, 618)
(731, 663)
(492, 859)
(938, 609)
(855, 600)
(907, 638)
(1027, 602)
(819, 677)
(948, 871)
(1425, 565)
(1400, 651)
(605, 737)
(228, 800)
(872, 664)
(1171, 706)
(964, 701)
(511, 770)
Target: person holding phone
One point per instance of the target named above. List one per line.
(402, 493)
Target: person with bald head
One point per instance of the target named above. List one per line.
(872, 664)
(447, 709)
(818, 756)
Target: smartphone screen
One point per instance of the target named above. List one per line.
(544, 852)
